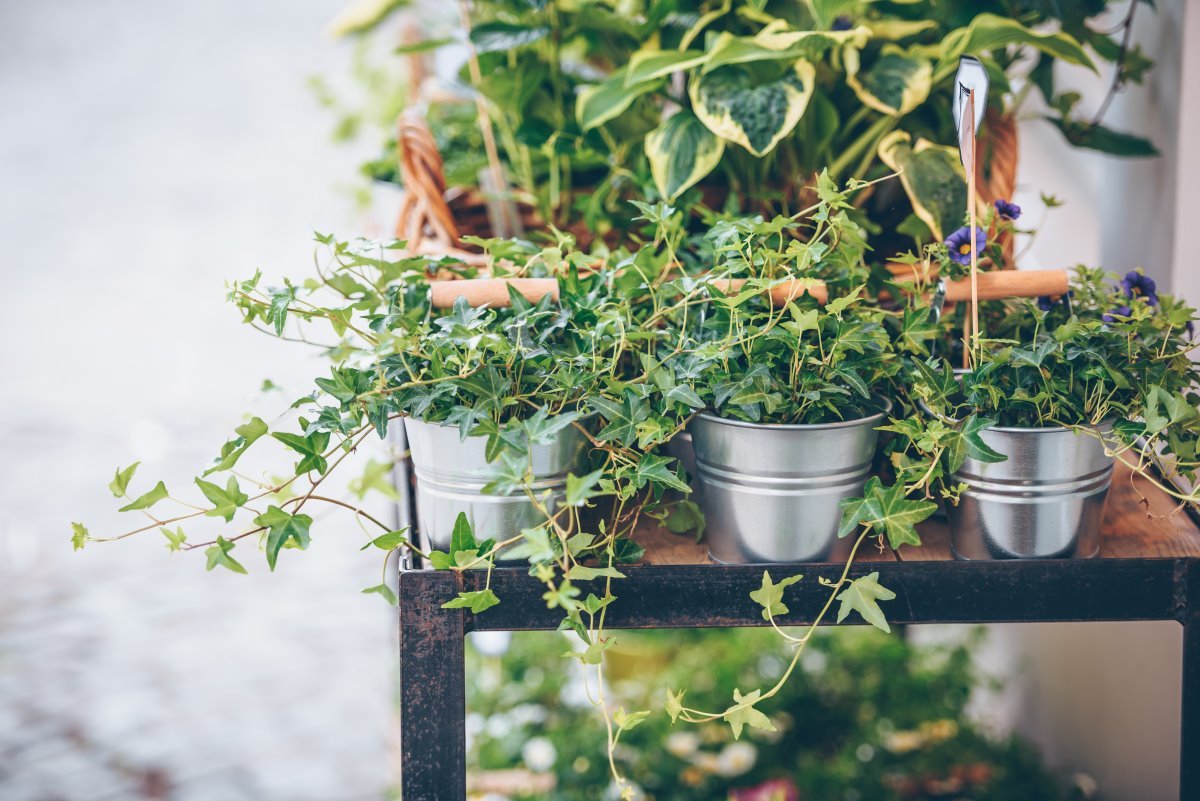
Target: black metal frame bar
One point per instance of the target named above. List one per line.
(433, 746)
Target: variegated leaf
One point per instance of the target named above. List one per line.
(894, 83)
(681, 152)
(932, 177)
(738, 108)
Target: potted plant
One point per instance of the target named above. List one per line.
(591, 105)
(792, 384)
(1022, 443)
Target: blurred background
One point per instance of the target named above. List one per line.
(151, 151)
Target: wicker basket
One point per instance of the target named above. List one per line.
(433, 218)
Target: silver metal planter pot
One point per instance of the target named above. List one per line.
(451, 474)
(770, 493)
(1046, 500)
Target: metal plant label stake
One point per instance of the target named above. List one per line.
(968, 105)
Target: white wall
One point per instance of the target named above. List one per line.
(1103, 699)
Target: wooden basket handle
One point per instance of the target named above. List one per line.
(782, 293)
(1001, 284)
(492, 292)
(423, 174)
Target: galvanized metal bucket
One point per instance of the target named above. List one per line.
(1045, 501)
(770, 493)
(451, 473)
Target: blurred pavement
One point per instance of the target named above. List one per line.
(149, 151)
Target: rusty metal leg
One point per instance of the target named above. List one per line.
(1189, 745)
(432, 691)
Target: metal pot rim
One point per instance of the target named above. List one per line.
(729, 421)
(1105, 425)
(406, 417)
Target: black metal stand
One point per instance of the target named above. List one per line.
(433, 761)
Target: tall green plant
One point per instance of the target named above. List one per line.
(744, 102)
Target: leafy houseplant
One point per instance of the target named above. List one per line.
(606, 361)
(792, 387)
(596, 103)
(1022, 443)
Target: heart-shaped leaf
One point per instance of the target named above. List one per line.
(681, 150)
(738, 107)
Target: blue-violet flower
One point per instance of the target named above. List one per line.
(959, 244)
(1007, 210)
(1139, 285)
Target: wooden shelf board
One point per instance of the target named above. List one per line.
(1140, 522)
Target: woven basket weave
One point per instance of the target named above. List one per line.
(433, 218)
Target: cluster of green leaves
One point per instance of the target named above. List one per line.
(598, 102)
(1112, 363)
(858, 687)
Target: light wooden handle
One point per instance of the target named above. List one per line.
(1001, 284)
(781, 294)
(490, 291)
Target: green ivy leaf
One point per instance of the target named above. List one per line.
(284, 530)
(383, 591)
(79, 536)
(863, 596)
(562, 597)
(674, 706)
(627, 551)
(886, 510)
(623, 418)
(629, 720)
(541, 428)
(175, 539)
(770, 595)
(654, 468)
(311, 447)
(226, 501)
(584, 573)
(146, 501)
(390, 541)
(581, 488)
(231, 451)
(461, 536)
(477, 601)
(218, 555)
(972, 444)
(121, 480)
(375, 476)
(534, 546)
(685, 517)
(743, 713)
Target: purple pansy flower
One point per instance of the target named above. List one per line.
(1007, 210)
(959, 244)
(842, 23)
(1120, 311)
(1191, 329)
(1138, 285)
